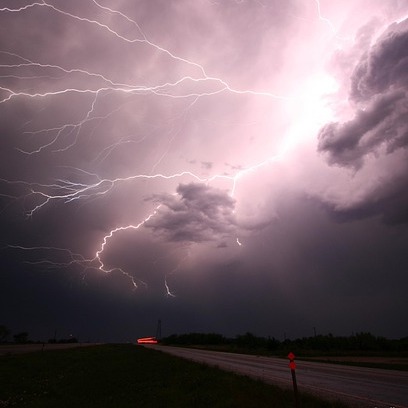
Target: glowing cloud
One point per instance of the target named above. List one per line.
(124, 120)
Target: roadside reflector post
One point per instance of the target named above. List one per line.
(292, 366)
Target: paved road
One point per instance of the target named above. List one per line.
(358, 386)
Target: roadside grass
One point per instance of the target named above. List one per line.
(126, 375)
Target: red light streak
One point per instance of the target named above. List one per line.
(147, 340)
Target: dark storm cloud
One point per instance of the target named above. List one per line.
(266, 260)
(383, 122)
(198, 213)
(378, 132)
(389, 201)
(379, 87)
(304, 271)
(384, 67)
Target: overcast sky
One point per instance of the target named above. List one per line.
(224, 166)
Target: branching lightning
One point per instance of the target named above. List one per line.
(324, 19)
(95, 86)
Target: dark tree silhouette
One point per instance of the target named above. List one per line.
(4, 333)
(21, 338)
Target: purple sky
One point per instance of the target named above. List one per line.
(225, 166)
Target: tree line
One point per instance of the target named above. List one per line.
(23, 337)
(363, 341)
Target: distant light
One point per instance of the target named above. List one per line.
(147, 340)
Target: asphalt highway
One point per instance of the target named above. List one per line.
(357, 386)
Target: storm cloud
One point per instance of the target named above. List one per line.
(225, 166)
(197, 213)
(377, 135)
(379, 90)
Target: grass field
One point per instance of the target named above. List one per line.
(131, 376)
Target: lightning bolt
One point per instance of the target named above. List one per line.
(94, 87)
(107, 237)
(324, 19)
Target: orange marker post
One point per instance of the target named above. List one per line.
(292, 366)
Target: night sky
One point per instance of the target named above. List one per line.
(224, 166)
